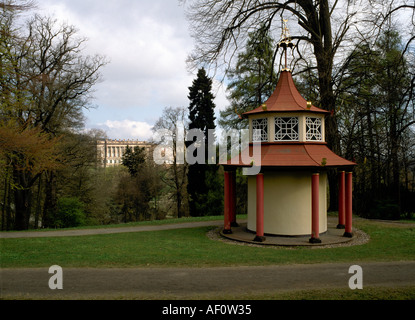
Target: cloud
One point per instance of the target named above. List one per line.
(127, 129)
(147, 43)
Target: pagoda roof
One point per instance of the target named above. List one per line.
(295, 155)
(285, 98)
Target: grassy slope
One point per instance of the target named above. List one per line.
(191, 248)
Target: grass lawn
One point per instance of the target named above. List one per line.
(192, 248)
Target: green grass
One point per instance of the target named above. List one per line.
(192, 248)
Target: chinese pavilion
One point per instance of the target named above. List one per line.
(288, 197)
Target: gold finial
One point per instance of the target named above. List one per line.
(285, 42)
(308, 104)
(285, 31)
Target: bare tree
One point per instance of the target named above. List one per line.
(324, 29)
(46, 83)
(17, 5)
(221, 28)
(173, 120)
(325, 33)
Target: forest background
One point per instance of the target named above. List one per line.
(353, 58)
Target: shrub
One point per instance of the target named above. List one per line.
(70, 213)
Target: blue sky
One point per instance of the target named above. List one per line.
(147, 43)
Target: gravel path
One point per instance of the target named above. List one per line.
(183, 283)
(87, 232)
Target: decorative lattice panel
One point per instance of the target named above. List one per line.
(286, 129)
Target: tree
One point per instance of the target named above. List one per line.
(201, 107)
(17, 5)
(29, 151)
(173, 122)
(221, 28)
(133, 160)
(46, 83)
(377, 121)
(253, 79)
(136, 192)
(202, 178)
(76, 177)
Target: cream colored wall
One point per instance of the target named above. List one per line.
(287, 203)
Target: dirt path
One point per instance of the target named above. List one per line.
(182, 283)
(87, 232)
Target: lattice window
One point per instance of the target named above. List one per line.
(314, 129)
(286, 129)
(260, 130)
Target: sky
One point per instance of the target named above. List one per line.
(147, 43)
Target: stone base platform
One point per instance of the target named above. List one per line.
(333, 236)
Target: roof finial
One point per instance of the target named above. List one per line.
(285, 42)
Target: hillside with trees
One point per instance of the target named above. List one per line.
(355, 59)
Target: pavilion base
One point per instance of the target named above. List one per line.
(314, 240)
(331, 237)
(348, 235)
(259, 239)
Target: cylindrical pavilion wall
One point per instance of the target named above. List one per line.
(287, 203)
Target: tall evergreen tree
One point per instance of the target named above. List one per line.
(201, 108)
(205, 196)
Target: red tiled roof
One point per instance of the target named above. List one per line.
(293, 155)
(285, 98)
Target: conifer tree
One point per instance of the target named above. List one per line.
(252, 80)
(203, 183)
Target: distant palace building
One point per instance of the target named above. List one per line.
(111, 151)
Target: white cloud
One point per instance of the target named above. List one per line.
(147, 43)
(127, 129)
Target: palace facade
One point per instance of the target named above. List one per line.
(111, 151)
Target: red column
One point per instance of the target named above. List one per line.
(342, 201)
(227, 223)
(349, 204)
(315, 208)
(232, 200)
(259, 208)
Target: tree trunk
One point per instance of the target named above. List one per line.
(22, 200)
(396, 190)
(38, 201)
(5, 204)
(323, 49)
(50, 204)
